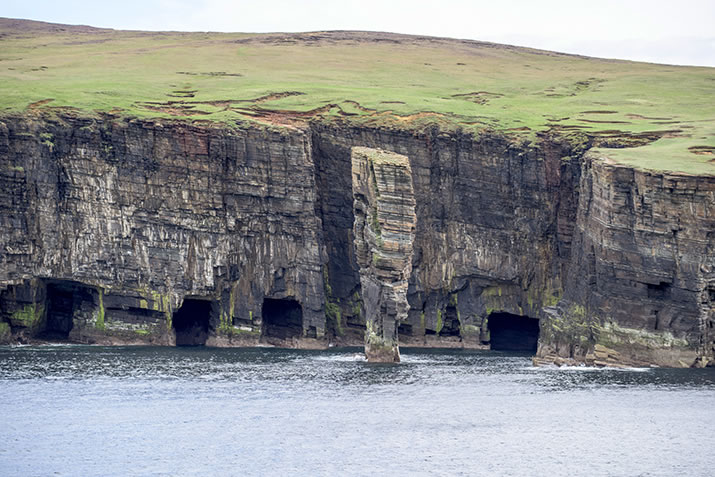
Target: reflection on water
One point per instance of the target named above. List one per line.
(80, 410)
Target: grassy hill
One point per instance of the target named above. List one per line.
(368, 78)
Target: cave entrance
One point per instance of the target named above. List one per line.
(191, 322)
(282, 318)
(66, 300)
(513, 332)
(451, 322)
(404, 329)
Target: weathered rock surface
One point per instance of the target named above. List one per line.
(384, 230)
(642, 274)
(128, 231)
(494, 226)
(145, 215)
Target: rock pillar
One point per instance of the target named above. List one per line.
(384, 230)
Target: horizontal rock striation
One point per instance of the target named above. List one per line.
(146, 215)
(137, 231)
(384, 231)
(493, 234)
(642, 275)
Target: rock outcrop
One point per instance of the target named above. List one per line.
(642, 274)
(137, 231)
(384, 230)
(126, 220)
(494, 227)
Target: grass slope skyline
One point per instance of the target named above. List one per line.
(370, 78)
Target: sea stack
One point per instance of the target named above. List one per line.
(384, 232)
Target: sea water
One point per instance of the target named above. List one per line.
(119, 411)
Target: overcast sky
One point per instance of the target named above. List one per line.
(676, 32)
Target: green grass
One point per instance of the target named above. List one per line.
(403, 82)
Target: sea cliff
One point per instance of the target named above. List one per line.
(120, 230)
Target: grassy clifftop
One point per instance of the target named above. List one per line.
(666, 112)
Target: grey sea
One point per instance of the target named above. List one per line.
(99, 411)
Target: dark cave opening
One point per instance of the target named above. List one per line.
(191, 322)
(64, 300)
(659, 291)
(282, 318)
(510, 332)
(450, 327)
(404, 329)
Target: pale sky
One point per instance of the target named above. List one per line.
(674, 32)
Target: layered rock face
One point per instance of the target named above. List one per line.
(493, 234)
(117, 231)
(642, 276)
(384, 230)
(117, 224)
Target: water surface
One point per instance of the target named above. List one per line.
(81, 410)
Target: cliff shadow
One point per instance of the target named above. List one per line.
(510, 332)
(191, 322)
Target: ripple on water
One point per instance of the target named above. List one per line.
(90, 410)
(341, 358)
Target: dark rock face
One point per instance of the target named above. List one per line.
(145, 215)
(494, 228)
(642, 274)
(117, 224)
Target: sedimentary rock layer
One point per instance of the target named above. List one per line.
(494, 227)
(146, 215)
(121, 231)
(384, 231)
(642, 275)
